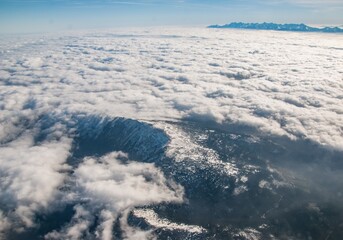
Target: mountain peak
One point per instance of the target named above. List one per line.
(301, 27)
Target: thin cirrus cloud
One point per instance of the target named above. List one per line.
(306, 3)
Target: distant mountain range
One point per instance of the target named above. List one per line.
(279, 27)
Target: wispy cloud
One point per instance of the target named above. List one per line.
(305, 3)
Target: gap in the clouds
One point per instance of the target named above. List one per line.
(292, 147)
(117, 230)
(54, 220)
(317, 166)
(313, 170)
(45, 223)
(267, 188)
(96, 136)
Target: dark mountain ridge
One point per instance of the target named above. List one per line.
(279, 27)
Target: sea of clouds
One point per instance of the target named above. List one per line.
(274, 83)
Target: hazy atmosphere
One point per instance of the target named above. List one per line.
(56, 15)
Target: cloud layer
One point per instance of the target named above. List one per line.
(282, 83)
(277, 84)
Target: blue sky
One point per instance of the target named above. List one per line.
(51, 15)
